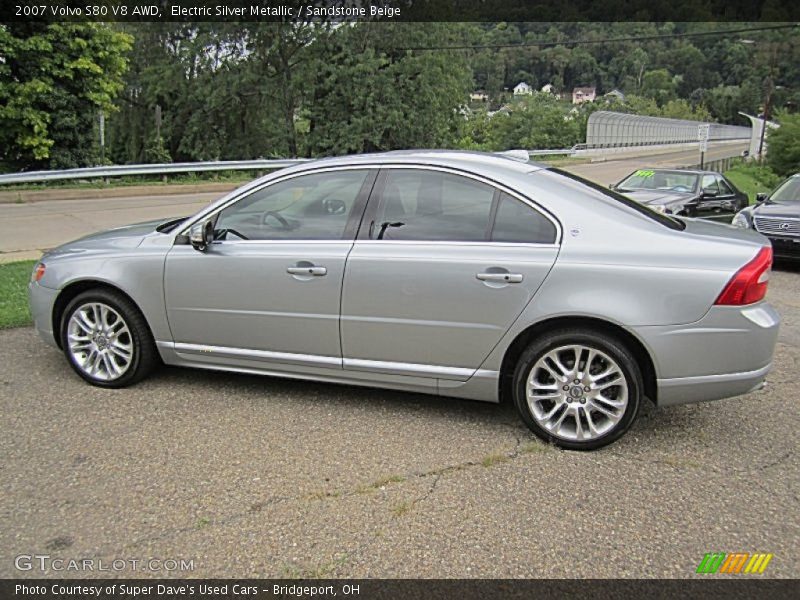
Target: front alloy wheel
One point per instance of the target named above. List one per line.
(99, 341)
(106, 339)
(579, 390)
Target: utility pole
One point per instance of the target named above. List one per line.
(102, 130)
(769, 86)
(767, 100)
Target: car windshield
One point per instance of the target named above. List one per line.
(652, 179)
(788, 191)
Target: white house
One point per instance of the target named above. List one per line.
(522, 89)
(479, 96)
(549, 88)
(583, 94)
(615, 94)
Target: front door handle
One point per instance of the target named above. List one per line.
(315, 271)
(501, 277)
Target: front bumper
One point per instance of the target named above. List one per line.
(726, 353)
(41, 300)
(785, 247)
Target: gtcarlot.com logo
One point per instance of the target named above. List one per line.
(734, 563)
(45, 562)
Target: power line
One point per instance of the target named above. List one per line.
(604, 41)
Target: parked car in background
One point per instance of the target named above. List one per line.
(684, 192)
(777, 216)
(453, 273)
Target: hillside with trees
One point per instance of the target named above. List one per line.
(217, 91)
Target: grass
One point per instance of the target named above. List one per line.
(535, 448)
(14, 279)
(494, 459)
(401, 509)
(384, 481)
(753, 179)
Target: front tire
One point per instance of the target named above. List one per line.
(106, 339)
(578, 389)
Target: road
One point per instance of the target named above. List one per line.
(260, 477)
(29, 228)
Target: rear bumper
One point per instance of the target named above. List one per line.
(727, 353)
(686, 390)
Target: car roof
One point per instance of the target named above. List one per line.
(479, 162)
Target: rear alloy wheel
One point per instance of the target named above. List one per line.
(577, 389)
(106, 339)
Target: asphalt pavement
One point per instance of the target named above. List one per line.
(259, 477)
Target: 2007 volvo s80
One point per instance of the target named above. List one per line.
(460, 274)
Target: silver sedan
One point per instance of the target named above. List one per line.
(460, 274)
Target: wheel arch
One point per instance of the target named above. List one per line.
(72, 290)
(528, 335)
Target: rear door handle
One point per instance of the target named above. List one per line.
(501, 277)
(316, 271)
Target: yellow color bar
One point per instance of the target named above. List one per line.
(758, 563)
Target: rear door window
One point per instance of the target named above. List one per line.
(417, 204)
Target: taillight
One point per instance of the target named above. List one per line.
(749, 285)
(38, 272)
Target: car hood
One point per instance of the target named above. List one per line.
(658, 196)
(785, 210)
(119, 238)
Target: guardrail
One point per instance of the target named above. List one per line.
(153, 169)
(165, 169)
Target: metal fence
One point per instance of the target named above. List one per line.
(607, 129)
(720, 165)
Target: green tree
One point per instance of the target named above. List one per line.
(659, 85)
(368, 94)
(783, 153)
(538, 122)
(55, 78)
(681, 109)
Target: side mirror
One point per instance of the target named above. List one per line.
(201, 235)
(761, 197)
(612, 186)
(709, 194)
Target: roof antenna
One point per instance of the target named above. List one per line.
(519, 155)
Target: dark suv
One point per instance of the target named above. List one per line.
(684, 192)
(777, 216)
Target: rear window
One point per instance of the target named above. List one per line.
(663, 219)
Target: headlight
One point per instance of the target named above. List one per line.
(739, 220)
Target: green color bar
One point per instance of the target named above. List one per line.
(711, 562)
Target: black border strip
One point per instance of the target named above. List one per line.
(776, 11)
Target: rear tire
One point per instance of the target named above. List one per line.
(578, 389)
(106, 339)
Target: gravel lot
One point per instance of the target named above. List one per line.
(258, 477)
